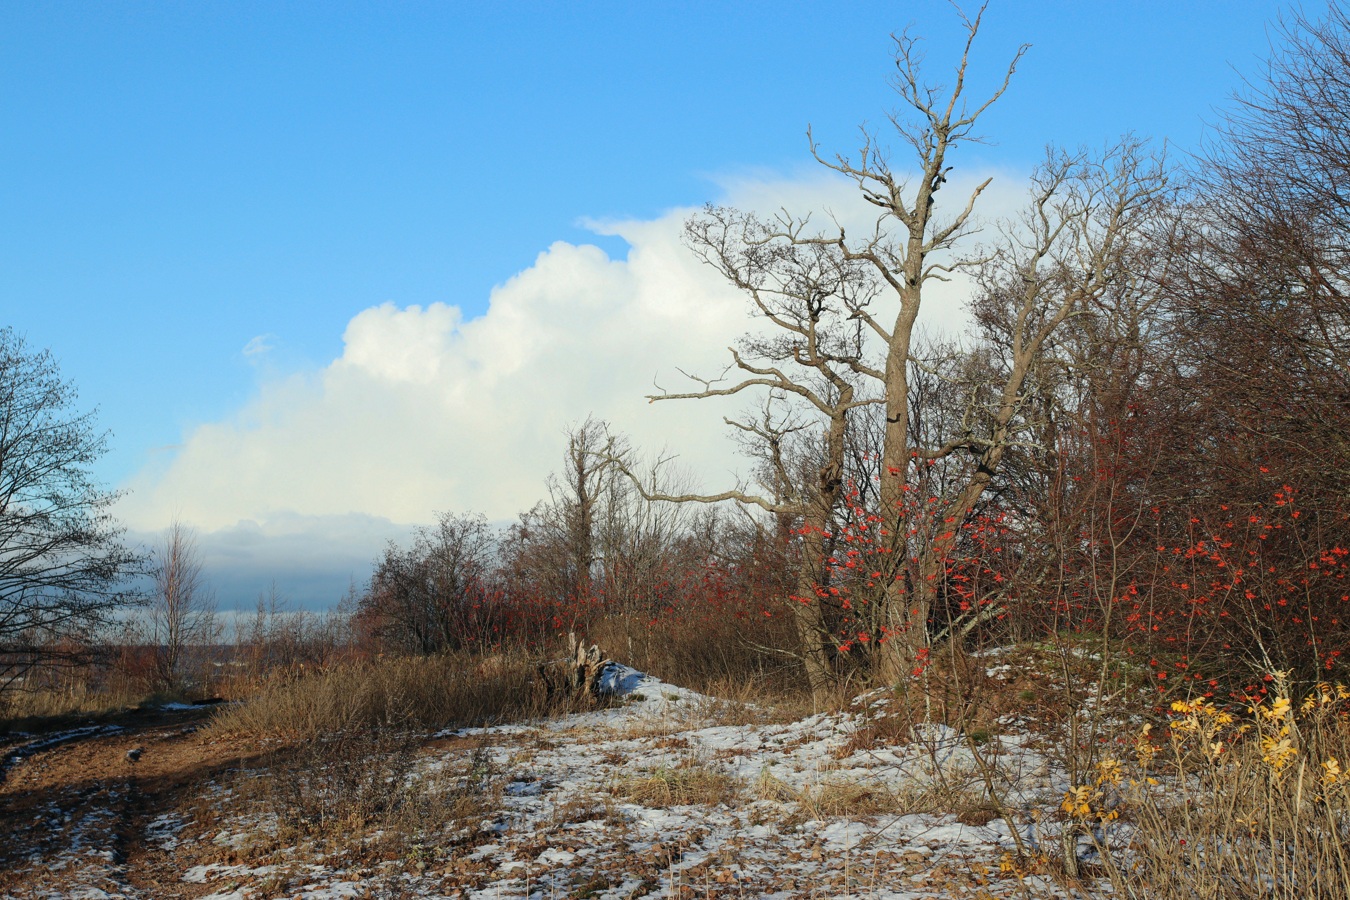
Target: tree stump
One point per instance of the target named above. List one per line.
(578, 675)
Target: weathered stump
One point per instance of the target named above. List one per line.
(578, 675)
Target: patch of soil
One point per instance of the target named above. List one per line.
(76, 811)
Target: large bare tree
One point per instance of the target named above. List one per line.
(807, 365)
(815, 285)
(63, 564)
(1080, 238)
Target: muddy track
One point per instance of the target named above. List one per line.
(19, 752)
(75, 808)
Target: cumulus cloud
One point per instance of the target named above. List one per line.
(426, 410)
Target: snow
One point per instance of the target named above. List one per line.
(562, 822)
(216, 871)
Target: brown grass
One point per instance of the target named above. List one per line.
(54, 696)
(30, 710)
(844, 797)
(688, 783)
(391, 693)
(1252, 817)
(360, 798)
(838, 797)
(708, 654)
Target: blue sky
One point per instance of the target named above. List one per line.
(199, 201)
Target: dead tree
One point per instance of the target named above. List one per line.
(810, 362)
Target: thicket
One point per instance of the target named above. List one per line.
(1136, 469)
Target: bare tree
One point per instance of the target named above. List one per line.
(552, 554)
(1073, 243)
(1267, 284)
(563, 530)
(1066, 250)
(1081, 237)
(808, 369)
(596, 547)
(821, 290)
(906, 259)
(182, 608)
(585, 476)
(63, 564)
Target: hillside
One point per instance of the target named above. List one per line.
(665, 794)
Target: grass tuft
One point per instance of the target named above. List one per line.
(687, 784)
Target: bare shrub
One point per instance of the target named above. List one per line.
(436, 595)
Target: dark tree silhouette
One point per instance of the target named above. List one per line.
(63, 564)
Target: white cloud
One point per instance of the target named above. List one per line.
(259, 345)
(427, 411)
(424, 411)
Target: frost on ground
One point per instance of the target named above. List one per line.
(665, 793)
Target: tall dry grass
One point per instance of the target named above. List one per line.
(394, 693)
(710, 654)
(50, 707)
(1223, 804)
(57, 696)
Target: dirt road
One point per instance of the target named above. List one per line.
(81, 817)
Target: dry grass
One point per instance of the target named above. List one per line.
(686, 784)
(22, 709)
(73, 702)
(395, 693)
(844, 797)
(359, 798)
(1256, 806)
(834, 796)
(705, 653)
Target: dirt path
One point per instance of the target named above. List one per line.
(82, 818)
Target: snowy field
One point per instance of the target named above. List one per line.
(664, 794)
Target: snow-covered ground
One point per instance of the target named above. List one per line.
(809, 808)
